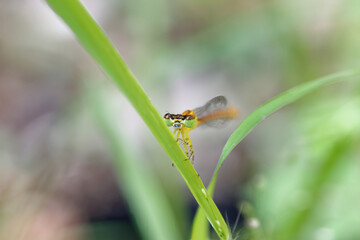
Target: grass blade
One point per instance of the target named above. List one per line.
(100, 48)
(260, 114)
(275, 104)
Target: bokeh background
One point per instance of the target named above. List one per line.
(57, 180)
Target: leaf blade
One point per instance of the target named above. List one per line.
(258, 116)
(94, 40)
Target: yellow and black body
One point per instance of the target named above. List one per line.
(214, 113)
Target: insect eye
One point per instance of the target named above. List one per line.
(168, 122)
(189, 117)
(167, 115)
(189, 123)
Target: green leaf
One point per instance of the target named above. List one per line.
(100, 48)
(256, 117)
(275, 104)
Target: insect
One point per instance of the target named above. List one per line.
(214, 113)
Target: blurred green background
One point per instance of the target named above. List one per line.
(297, 173)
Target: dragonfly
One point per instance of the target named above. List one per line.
(215, 113)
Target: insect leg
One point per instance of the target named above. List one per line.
(186, 143)
(177, 136)
(191, 155)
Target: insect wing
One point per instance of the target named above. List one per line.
(215, 104)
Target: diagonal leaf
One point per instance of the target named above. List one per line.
(100, 48)
(256, 117)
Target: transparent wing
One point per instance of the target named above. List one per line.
(216, 123)
(214, 105)
(217, 103)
